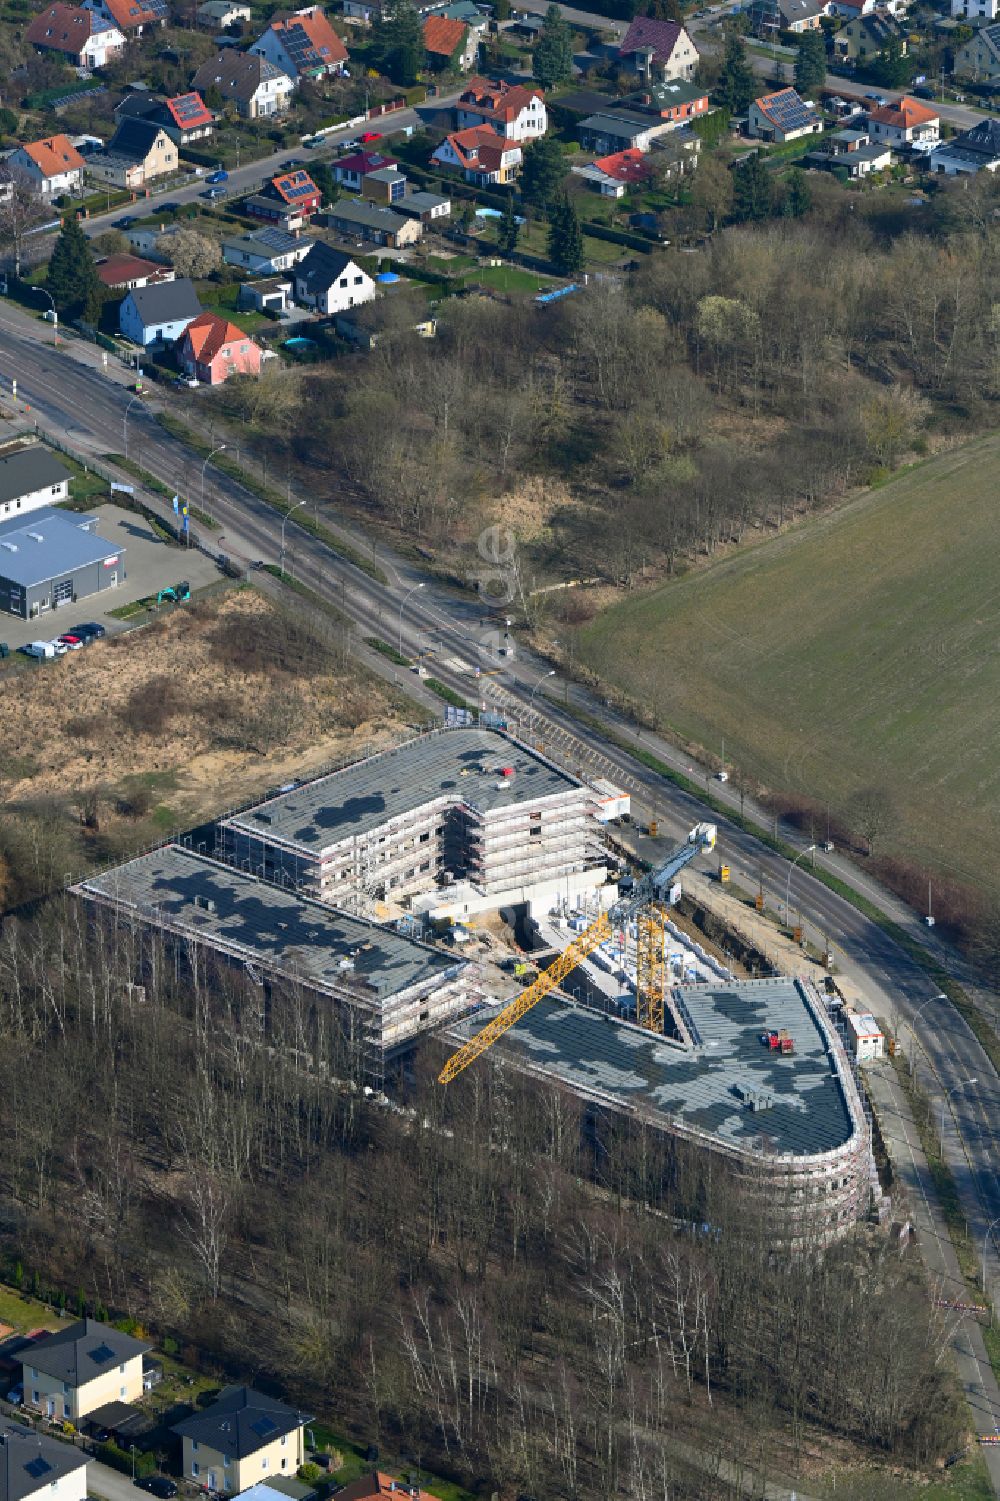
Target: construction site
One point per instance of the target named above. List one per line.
(459, 885)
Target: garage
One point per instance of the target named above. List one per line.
(53, 559)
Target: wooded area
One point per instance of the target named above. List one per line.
(538, 1302)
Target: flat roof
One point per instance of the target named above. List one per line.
(46, 545)
(462, 765)
(863, 1024)
(289, 933)
(600, 1055)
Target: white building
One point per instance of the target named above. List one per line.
(34, 1467)
(869, 1043)
(904, 122)
(976, 10)
(330, 282)
(54, 165)
(515, 111)
(29, 479)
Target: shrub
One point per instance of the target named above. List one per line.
(151, 706)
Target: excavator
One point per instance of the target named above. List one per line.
(645, 902)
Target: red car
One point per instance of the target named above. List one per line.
(371, 135)
(71, 643)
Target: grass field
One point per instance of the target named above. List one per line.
(857, 650)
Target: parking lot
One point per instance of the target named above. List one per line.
(150, 564)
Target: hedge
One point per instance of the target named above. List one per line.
(618, 237)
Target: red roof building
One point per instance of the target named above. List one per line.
(189, 112)
(77, 34)
(376, 1485)
(350, 171)
(132, 15)
(298, 190)
(303, 45)
(904, 120)
(625, 166)
(126, 272)
(444, 37)
(212, 349)
(516, 111)
(658, 49)
(483, 156)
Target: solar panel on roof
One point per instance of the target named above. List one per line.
(101, 1354)
(262, 1426)
(188, 107)
(38, 1467)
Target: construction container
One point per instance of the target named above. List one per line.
(653, 828)
(723, 873)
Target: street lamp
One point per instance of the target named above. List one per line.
(55, 315)
(204, 466)
(917, 1015)
(132, 1451)
(986, 1245)
(125, 423)
(284, 522)
(788, 884)
(531, 696)
(962, 1084)
(401, 608)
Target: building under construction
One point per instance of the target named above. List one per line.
(383, 987)
(754, 1074)
(465, 808)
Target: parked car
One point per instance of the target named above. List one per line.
(159, 1485)
(126, 221)
(167, 208)
(220, 176)
(87, 632)
(292, 163)
(71, 642)
(213, 193)
(44, 651)
(59, 647)
(371, 135)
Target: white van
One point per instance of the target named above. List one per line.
(44, 650)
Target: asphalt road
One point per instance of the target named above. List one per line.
(87, 406)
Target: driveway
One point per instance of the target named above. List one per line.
(109, 1484)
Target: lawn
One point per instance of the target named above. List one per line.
(24, 1313)
(508, 279)
(857, 650)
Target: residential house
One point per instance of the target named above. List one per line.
(482, 156)
(241, 1438)
(329, 281)
(81, 37)
(975, 150)
(185, 117)
(265, 252)
(658, 49)
(515, 111)
(54, 165)
(361, 12)
(424, 206)
(296, 189)
(86, 1364)
(123, 273)
(212, 349)
(29, 479)
(979, 58)
(350, 171)
(159, 314)
(852, 152)
(616, 130)
(399, 312)
(303, 45)
(768, 18)
(782, 116)
(273, 210)
(677, 101)
(975, 10)
(904, 122)
(34, 1467)
(272, 295)
(865, 38)
(221, 14)
(137, 154)
(370, 221)
(376, 1486)
(254, 85)
(386, 186)
(132, 17)
(850, 10)
(613, 175)
(446, 39)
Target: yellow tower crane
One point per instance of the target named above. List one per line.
(644, 902)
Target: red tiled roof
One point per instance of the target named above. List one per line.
(131, 13)
(905, 113)
(442, 35)
(372, 1487)
(54, 155)
(64, 28)
(625, 166)
(479, 147)
(363, 162)
(660, 36)
(117, 270)
(189, 111)
(325, 47)
(208, 333)
(295, 187)
(499, 101)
